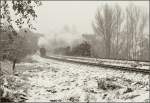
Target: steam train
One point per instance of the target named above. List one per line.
(42, 52)
(83, 49)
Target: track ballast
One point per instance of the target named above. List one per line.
(130, 66)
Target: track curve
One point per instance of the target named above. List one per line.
(131, 66)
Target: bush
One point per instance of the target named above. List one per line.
(105, 84)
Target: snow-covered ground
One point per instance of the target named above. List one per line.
(52, 80)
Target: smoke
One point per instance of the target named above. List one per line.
(43, 41)
(66, 36)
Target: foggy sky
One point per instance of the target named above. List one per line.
(54, 15)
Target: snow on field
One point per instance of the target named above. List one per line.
(55, 81)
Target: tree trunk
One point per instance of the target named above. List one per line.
(14, 63)
(107, 47)
(149, 48)
(0, 69)
(0, 66)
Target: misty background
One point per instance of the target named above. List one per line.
(63, 23)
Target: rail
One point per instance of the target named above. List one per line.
(131, 66)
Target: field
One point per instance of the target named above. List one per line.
(50, 80)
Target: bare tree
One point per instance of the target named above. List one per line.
(103, 26)
(135, 24)
(122, 33)
(141, 39)
(25, 43)
(118, 18)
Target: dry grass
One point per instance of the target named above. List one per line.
(12, 88)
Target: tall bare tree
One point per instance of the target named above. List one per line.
(103, 26)
(141, 39)
(135, 25)
(118, 21)
(122, 32)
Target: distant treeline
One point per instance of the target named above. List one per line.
(93, 47)
(83, 49)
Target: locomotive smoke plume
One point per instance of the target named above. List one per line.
(62, 38)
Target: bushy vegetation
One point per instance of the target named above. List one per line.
(12, 89)
(82, 49)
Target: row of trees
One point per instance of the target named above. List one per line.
(122, 32)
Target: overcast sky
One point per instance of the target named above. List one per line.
(53, 15)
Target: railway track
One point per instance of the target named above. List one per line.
(131, 66)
